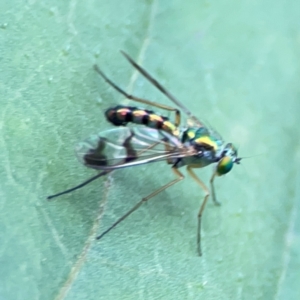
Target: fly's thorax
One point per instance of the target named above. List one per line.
(202, 138)
(226, 159)
(122, 115)
(200, 159)
(202, 145)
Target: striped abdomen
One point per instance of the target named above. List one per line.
(121, 115)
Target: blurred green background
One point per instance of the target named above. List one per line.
(235, 64)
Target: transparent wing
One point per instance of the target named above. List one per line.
(124, 146)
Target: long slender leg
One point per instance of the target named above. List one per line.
(134, 208)
(214, 198)
(162, 89)
(202, 207)
(140, 100)
(79, 186)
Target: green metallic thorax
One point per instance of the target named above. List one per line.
(201, 136)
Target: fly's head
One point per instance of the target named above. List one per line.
(228, 158)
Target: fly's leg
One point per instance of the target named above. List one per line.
(134, 208)
(140, 100)
(214, 198)
(80, 185)
(202, 207)
(162, 89)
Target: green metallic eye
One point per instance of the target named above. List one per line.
(224, 165)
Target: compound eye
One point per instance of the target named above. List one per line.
(224, 165)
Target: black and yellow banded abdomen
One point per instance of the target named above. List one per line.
(121, 115)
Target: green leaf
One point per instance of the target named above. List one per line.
(234, 64)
